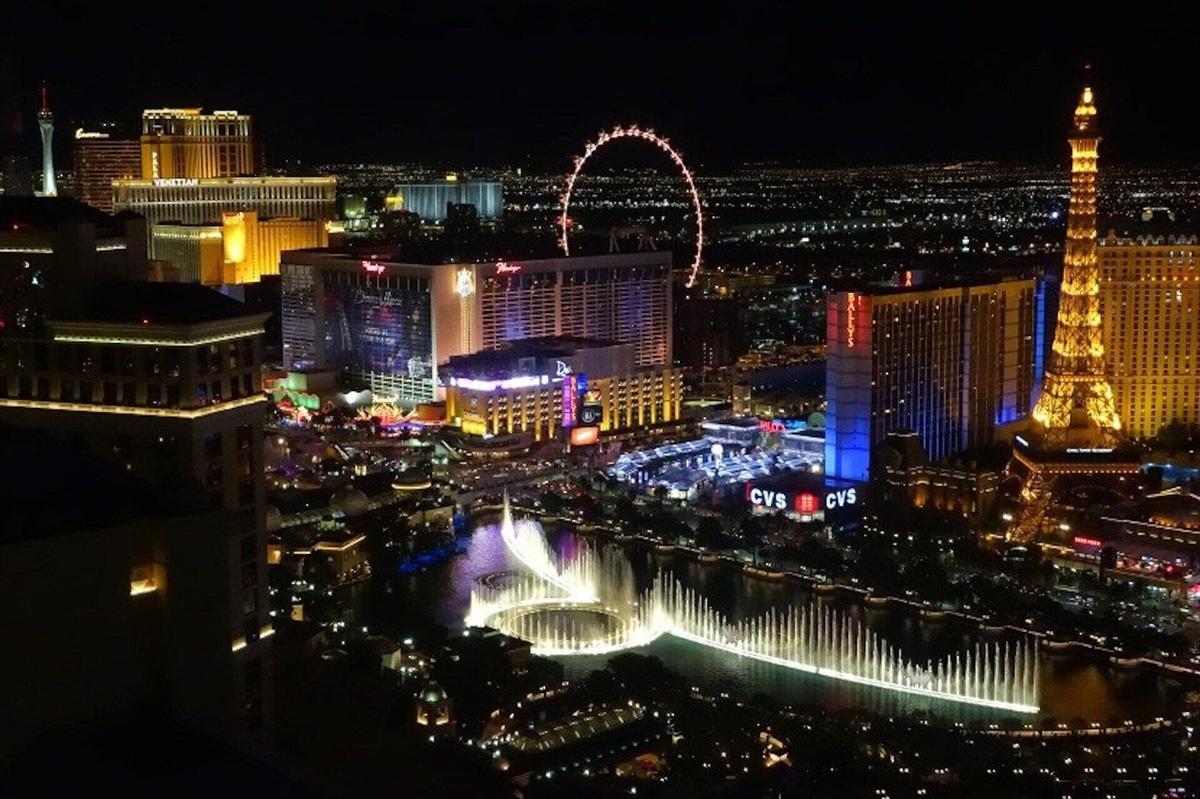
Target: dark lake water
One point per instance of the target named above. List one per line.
(1072, 686)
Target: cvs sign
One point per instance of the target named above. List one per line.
(804, 503)
(766, 498)
(841, 498)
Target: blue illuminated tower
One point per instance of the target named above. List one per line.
(46, 123)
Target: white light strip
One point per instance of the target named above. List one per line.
(79, 407)
(29, 250)
(841, 675)
(159, 342)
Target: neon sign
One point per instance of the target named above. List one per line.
(373, 267)
(781, 425)
(840, 499)
(464, 283)
(570, 397)
(1084, 541)
(523, 381)
(766, 498)
(805, 503)
(851, 318)
(505, 268)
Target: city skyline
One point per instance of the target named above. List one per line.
(523, 401)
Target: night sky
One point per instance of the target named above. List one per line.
(526, 84)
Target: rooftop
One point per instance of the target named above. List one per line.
(533, 357)
(20, 214)
(493, 249)
(159, 303)
(930, 281)
(1154, 223)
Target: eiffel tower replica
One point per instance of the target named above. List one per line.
(1076, 431)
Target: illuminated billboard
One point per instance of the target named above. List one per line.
(583, 436)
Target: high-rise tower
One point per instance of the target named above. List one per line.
(1076, 405)
(1076, 432)
(46, 123)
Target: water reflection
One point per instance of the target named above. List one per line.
(1072, 687)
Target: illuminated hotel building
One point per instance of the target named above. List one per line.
(242, 249)
(201, 202)
(431, 200)
(538, 387)
(954, 364)
(101, 159)
(187, 143)
(163, 381)
(389, 323)
(184, 201)
(1150, 306)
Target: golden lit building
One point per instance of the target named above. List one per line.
(187, 143)
(1076, 404)
(201, 201)
(538, 387)
(1077, 431)
(1150, 302)
(242, 249)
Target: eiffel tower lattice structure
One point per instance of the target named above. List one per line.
(1076, 430)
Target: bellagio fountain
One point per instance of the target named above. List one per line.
(589, 604)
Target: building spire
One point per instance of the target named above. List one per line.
(1076, 405)
(1085, 113)
(45, 119)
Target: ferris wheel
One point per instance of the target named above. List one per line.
(634, 132)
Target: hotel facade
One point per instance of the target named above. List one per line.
(389, 324)
(957, 365)
(543, 387)
(188, 143)
(163, 381)
(242, 249)
(1150, 306)
(203, 202)
(99, 160)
